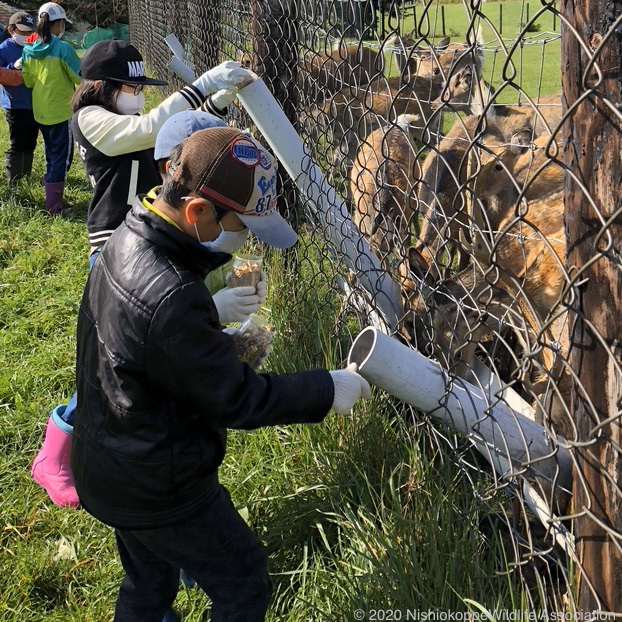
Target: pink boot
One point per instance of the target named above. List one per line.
(51, 468)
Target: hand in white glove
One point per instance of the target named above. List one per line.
(349, 388)
(235, 304)
(221, 99)
(262, 289)
(227, 75)
(18, 63)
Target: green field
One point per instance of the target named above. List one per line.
(515, 59)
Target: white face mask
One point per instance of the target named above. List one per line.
(20, 39)
(229, 242)
(128, 103)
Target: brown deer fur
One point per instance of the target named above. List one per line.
(382, 184)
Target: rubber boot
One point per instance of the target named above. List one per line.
(51, 468)
(27, 163)
(170, 616)
(14, 166)
(54, 197)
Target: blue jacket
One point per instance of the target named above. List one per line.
(13, 97)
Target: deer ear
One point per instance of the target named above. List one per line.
(520, 141)
(443, 43)
(410, 68)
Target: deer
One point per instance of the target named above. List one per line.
(443, 190)
(526, 249)
(352, 114)
(382, 185)
(343, 66)
(466, 90)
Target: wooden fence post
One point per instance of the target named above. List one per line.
(592, 150)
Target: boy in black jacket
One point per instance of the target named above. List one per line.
(159, 383)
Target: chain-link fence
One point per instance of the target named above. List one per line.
(476, 149)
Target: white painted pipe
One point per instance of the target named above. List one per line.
(175, 46)
(287, 145)
(506, 438)
(181, 70)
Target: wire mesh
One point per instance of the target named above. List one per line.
(441, 127)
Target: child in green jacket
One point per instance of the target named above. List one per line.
(50, 68)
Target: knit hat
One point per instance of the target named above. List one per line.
(235, 172)
(54, 12)
(23, 20)
(115, 60)
(181, 125)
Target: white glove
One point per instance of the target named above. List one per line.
(221, 99)
(18, 63)
(349, 388)
(227, 75)
(262, 289)
(235, 304)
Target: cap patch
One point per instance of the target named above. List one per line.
(266, 204)
(245, 152)
(264, 160)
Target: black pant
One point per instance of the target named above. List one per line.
(23, 131)
(215, 547)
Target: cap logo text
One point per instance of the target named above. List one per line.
(265, 184)
(264, 160)
(245, 152)
(135, 69)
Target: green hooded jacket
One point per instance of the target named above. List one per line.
(51, 71)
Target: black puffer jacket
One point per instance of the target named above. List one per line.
(159, 382)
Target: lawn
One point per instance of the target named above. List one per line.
(520, 40)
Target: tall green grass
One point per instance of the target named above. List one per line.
(363, 511)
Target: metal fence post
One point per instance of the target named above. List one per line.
(591, 79)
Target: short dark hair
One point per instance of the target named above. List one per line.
(96, 93)
(173, 191)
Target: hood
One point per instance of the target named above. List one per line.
(38, 49)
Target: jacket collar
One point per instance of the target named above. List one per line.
(150, 225)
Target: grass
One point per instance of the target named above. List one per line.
(532, 66)
(365, 511)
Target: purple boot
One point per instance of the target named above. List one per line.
(54, 197)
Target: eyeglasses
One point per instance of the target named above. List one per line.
(138, 88)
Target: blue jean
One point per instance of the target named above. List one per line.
(216, 547)
(58, 150)
(67, 415)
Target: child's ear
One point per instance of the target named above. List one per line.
(195, 209)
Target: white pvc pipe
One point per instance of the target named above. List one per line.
(506, 438)
(283, 139)
(181, 70)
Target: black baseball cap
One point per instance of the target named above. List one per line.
(118, 61)
(25, 21)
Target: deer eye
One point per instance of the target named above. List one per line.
(458, 356)
(498, 167)
(436, 71)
